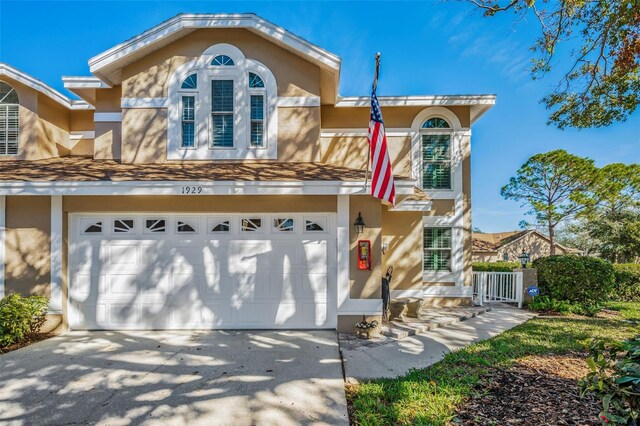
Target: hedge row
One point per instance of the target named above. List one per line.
(581, 279)
(627, 287)
(495, 266)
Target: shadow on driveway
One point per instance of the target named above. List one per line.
(209, 377)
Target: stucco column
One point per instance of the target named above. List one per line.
(55, 301)
(529, 277)
(3, 231)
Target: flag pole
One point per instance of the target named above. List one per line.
(373, 89)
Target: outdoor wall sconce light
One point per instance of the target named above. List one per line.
(359, 224)
(524, 259)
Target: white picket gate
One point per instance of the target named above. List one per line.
(497, 287)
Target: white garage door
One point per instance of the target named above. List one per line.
(170, 271)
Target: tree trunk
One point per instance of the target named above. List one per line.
(552, 239)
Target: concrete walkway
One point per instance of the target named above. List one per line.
(175, 378)
(397, 358)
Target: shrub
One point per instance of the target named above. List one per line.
(627, 286)
(20, 317)
(495, 266)
(615, 378)
(564, 307)
(586, 280)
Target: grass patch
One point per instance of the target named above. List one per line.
(431, 396)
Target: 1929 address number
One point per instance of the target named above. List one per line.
(191, 190)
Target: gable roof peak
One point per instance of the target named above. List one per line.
(107, 64)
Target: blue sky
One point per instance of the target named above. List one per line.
(429, 47)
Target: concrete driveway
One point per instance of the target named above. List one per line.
(175, 378)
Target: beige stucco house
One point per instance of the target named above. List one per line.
(507, 246)
(209, 176)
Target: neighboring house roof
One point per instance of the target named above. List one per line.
(482, 242)
(42, 87)
(86, 169)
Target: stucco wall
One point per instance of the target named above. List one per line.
(201, 203)
(27, 245)
(351, 152)
(403, 232)
(365, 284)
(149, 76)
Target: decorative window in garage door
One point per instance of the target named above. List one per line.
(155, 225)
(122, 226)
(186, 226)
(92, 226)
(251, 225)
(283, 225)
(216, 225)
(315, 224)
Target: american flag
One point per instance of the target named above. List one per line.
(382, 185)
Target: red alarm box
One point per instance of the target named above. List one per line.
(364, 255)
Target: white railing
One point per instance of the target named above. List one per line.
(497, 287)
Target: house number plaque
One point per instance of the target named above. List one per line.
(191, 190)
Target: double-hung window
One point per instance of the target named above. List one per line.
(257, 95)
(222, 113)
(188, 90)
(436, 154)
(437, 249)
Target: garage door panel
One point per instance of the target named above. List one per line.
(123, 315)
(82, 283)
(314, 286)
(315, 255)
(124, 254)
(314, 314)
(165, 280)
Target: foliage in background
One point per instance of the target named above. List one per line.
(612, 220)
(555, 186)
(495, 266)
(627, 287)
(20, 317)
(585, 280)
(615, 377)
(601, 84)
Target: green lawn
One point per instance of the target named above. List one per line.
(430, 396)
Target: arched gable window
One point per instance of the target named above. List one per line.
(222, 60)
(9, 120)
(222, 106)
(436, 123)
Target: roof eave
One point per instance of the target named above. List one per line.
(42, 87)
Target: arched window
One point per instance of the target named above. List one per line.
(436, 154)
(436, 123)
(222, 105)
(190, 82)
(255, 81)
(9, 121)
(222, 60)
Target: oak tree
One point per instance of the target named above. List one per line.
(601, 83)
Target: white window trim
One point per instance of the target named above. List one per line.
(242, 112)
(458, 133)
(456, 223)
